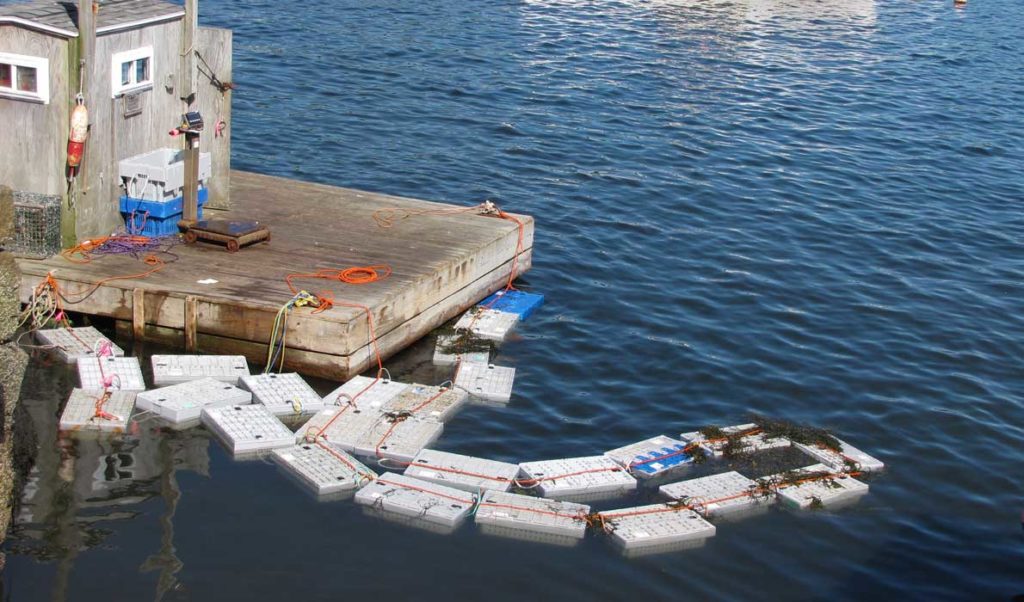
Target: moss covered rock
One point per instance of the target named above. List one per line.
(9, 306)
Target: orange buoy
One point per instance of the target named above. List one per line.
(78, 135)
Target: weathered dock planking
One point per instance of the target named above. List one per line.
(442, 264)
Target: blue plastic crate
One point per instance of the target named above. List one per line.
(156, 218)
(658, 460)
(514, 302)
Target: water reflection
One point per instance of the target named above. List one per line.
(80, 482)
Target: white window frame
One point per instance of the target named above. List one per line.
(130, 56)
(42, 67)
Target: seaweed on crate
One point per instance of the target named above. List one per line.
(461, 341)
(712, 432)
(796, 432)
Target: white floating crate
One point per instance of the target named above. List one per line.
(486, 381)
(660, 526)
(283, 394)
(487, 324)
(531, 518)
(443, 404)
(838, 460)
(443, 358)
(124, 372)
(652, 457)
(247, 428)
(399, 441)
(720, 495)
(74, 343)
(834, 491)
(176, 369)
(416, 499)
(323, 468)
(586, 478)
(365, 392)
(80, 411)
(755, 442)
(340, 424)
(185, 402)
(462, 472)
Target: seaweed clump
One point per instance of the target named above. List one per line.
(712, 432)
(797, 433)
(697, 453)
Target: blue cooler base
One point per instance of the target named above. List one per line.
(156, 218)
(514, 302)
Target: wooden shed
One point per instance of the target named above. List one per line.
(138, 65)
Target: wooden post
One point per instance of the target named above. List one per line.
(138, 314)
(191, 317)
(188, 79)
(86, 45)
(85, 69)
(190, 204)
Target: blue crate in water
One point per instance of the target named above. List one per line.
(156, 218)
(514, 302)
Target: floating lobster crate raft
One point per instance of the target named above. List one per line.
(817, 485)
(176, 369)
(719, 495)
(531, 518)
(656, 527)
(283, 394)
(425, 400)
(184, 403)
(755, 441)
(652, 457)
(110, 372)
(487, 324)
(372, 433)
(90, 411)
(848, 457)
(442, 263)
(578, 479)
(486, 382)
(71, 344)
(365, 392)
(417, 500)
(513, 301)
(328, 471)
(247, 429)
(445, 355)
(462, 472)
(339, 424)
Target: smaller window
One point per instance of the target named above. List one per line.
(132, 71)
(24, 77)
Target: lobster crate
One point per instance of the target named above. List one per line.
(36, 225)
(157, 218)
(159, 175)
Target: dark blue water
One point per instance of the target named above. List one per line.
(805, 209)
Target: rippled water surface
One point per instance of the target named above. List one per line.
(809, 209)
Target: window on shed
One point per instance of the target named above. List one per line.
(132, 71)
(24, 77)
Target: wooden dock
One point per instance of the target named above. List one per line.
(442, 264)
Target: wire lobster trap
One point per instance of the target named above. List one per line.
(36, 225)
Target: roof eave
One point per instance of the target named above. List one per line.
(141, 23)
(64, 33)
